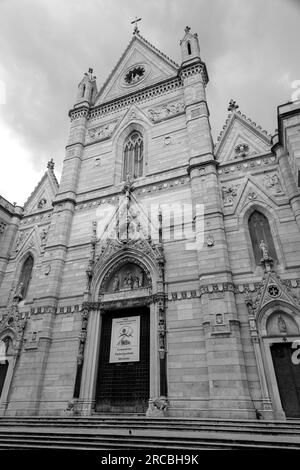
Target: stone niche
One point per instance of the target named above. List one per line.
(128, 278)
(279, 323)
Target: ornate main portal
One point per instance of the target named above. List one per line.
(123, 371)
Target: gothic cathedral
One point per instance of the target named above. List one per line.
(161, 276)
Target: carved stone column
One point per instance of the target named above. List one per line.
(158, 406)
(89, 353)
(267, 410)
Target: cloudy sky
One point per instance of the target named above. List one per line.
(251, 49)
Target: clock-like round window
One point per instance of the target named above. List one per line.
(134, 75)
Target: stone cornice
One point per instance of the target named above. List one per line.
(208, 289)
(145, 94)
(75, 113)
(140, 191)
(11, 208)
(244, 165)
(187, 70)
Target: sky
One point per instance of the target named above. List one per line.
(251, 49)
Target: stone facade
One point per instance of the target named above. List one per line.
(213, 311)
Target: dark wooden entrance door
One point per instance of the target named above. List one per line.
(124, 387)
(288, 378)
(3, 371)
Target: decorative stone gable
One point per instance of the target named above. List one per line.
(42, 196)
(241, 139)
(140, 66)
(271, 289)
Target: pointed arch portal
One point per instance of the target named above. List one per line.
(124, 369)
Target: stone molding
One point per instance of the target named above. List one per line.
(142, 95)
(245, 288)
(195, 69)
(243, 166)
(143, 190)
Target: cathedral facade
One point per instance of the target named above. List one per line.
(162, 275)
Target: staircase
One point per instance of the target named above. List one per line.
(138, 432)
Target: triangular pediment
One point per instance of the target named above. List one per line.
(42, 196)
(241, 139)
(246, 191)
(27, 241)
(273, 289)
(140, 66)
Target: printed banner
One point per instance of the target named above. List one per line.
(125, 340)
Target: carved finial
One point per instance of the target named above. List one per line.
(135, 21)
(232, 105)
(50, 164)
(187, 29)
(90, 74)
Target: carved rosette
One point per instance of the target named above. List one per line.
(91, 261)
(101, 132)
(252, 308)
(14, 321)
(166, 111)
(160, 300)
(229, 193)
(157, 407)
(83, 332)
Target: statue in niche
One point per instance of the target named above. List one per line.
(19, 291)
(281, 325)
(128, 280)
(128, 277)
(116, 283)
(264, 249)
(136, 282)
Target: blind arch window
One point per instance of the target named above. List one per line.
(259, 230)
(26, 274)
(133, 155)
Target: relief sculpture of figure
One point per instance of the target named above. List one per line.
(128, 280)
(136, 282)
(116, 283)
(19, 291)
(281, 325)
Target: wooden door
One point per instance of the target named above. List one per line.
(288, 378)
(124, 387)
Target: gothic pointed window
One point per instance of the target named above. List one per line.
(133, 155)
(259, 229)
(189, 49)
(25, 275)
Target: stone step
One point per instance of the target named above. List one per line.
(103, 432)
(198, 427)
(241, 426)
(76, 442)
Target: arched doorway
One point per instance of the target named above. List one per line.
(4, 345)
(7, 363)
(281, 331)
(127, 304)
(123, 377)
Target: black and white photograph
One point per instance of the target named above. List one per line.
(149, 229)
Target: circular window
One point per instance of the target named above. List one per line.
(273, 291)
(134, 75)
